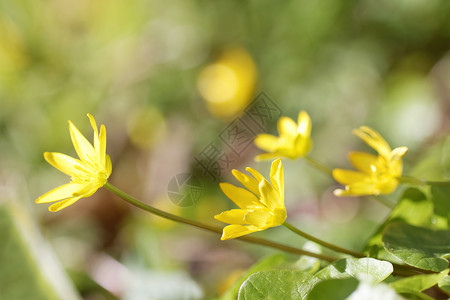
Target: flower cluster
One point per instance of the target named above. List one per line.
(261, 203)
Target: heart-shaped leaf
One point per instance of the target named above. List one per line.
(416, 284)
(277, 284)
(368, 270)
(265, 263)
(417, 246)
(336, 289)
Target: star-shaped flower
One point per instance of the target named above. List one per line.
(261, 205)
(375, 175)
(88, 173)
(293, 142)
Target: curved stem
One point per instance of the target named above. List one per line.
(419, 182)
(211, 228)
(319, 166)
(320, 242)
(383, 201)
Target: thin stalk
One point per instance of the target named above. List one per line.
(383, 201)
(320, 242)
(211, 228)
(419, 182)
(437, 183)
(319, 166)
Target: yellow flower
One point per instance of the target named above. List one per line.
(375, 175)
(294, 140)
(260, 206)
(88, 174)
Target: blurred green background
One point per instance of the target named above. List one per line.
(166, 77)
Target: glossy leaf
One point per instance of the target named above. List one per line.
(335, 289)
(415, 284)
(441, 199)
(444, 284)
(414, 208)
(417, 246)
(277, 284)
(364, 269)
(264, 264)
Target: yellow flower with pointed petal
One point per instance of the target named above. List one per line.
(88, 173)
(294, 140)
(375, 175)
(261, 205)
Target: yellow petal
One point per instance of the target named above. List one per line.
(302, 146)
(277, 176)
(255, 174)
(94, 127)
(269, 196)
(67, 164)
(108, 166)
(241, 197)
(82, 146)
(88, 189)
(387, 186)
(99, 140)
(234, 231)
(348, 176)
(266, 142)
(266, 156)
(102, 147)
(304, 124)
(249, 182)
(233, 216)
(62, 192)
(398, 153)
(374, 140)
(63, 204)
(287, 127)
(362, 161)
(360, 188)
(260, 218)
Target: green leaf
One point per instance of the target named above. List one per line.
(417, 246)
(441, 200)
(414, 208)
(264, 264)
(368, 270)
(444, 284)
(26, 263)
(308, 263)
(277, 284)
(335, 289)
(416, 284)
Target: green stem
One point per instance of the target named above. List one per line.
(211, 228)
(437, 183)
(320, 242)
(419, 182)
(383, 201)
(319, 166)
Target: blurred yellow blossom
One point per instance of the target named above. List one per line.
(294, 140)
(227, 84)
(88, 173)
(261, 205)
(375, 174)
